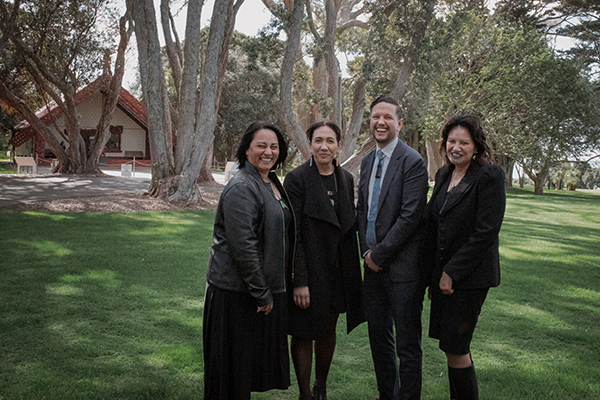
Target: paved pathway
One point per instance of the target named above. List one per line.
(16, 189)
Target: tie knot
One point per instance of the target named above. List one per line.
(380, 155)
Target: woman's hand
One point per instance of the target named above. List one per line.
(267, 309)
(446, 284)
(302, 297)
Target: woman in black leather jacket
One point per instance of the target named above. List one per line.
(245, 315)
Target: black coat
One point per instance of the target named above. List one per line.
(463, 240)
(323, 239)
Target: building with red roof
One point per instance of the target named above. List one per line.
(129, 126)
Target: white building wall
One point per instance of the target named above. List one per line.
(133, 137)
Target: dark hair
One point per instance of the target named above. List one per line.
(334, 127)
(472, 123)
(386, 98)
(248, 137)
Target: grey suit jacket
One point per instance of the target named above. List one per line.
(402, 200)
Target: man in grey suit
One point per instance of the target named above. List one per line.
(391, 197)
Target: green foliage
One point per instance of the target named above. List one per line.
(538, 107)
(250, 90)
(6, 167)
(71, 37)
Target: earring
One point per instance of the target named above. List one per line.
(311, 161)
(336, 161)
(474, 156)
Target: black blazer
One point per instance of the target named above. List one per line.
(399, 214)
(463, 240)
(324, 241)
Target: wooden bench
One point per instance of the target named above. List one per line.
(26, 162)
(134, 154)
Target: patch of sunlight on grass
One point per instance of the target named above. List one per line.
(49, 247)
(141, 291)
(195, 323)
(183, 357)
(194, 304)
(580, 293)
(63, 289)
(106, 277)
(520, 358)
(55, 217)
(534, 314)
(164, 230)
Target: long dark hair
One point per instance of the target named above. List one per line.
(472, 123)
(248, 137)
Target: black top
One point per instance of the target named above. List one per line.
(330, 185)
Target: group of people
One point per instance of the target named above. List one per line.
(285, 259)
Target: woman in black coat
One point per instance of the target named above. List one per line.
(325, 276)
(464, 216)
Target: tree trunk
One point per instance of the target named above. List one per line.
(358, 112)
(352, 164)
(291, 126)
(170, 45)
(538, 178)
(206, 176)
(507, 165)
(412, 54)
(153, 87)
(189, 88)
(186, 189)
(331, 62)
(109, 104)
(18, 104)
(435, 160)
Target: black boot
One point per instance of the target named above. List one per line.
(463, 383)
(451, 382)
(319, 394)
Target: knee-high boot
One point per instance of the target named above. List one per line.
(463, 383)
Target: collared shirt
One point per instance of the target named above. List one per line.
(387, 151)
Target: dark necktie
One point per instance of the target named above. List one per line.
(372, 216)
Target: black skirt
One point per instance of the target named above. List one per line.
(453, 318)
(244, 351)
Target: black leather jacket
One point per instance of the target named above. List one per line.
(248, 253)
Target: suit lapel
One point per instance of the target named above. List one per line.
(464, 186)
(390, 172)
(441, 176)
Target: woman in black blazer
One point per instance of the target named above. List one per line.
(326, 277)
(464, 216)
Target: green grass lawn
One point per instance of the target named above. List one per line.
(109, 306)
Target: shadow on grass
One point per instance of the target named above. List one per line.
(103, 306)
